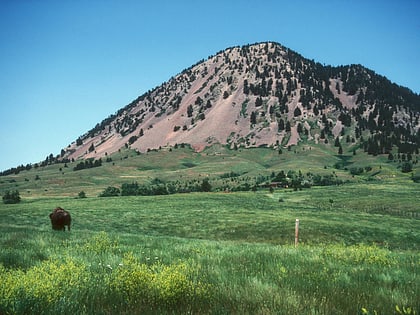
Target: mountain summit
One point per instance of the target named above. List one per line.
(262, 94)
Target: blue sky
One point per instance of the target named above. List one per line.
(66, 65)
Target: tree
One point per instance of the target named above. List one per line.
(130, 189)
(82, 194)
(190, 111)
(281, 125)
(297, 112)
(299, 128)
(205, 185)
(253, 118)
(198, 100)
(132, 139)
(110, 192)
(337, 142)
(11, 197)
(246, 87)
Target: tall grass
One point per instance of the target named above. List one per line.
(215, 253)
(210, 277)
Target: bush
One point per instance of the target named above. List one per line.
(42, 288)
(130, 189)
(406, 167)
(132, 139)
(82, 194)
(157, 285)
(110, 192)
(205, 185)
(356, 170)
(415, 178)
(11, 196)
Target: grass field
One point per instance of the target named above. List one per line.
(212, 253)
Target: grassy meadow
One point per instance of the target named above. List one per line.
(215, 252)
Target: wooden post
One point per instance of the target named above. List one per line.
(296, 232)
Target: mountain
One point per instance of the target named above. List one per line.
(261, 95)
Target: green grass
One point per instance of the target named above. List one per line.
(234, 249)
(183, 165)
(212, 253)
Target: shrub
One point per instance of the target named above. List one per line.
(205, 185)
(406, 167)
(41, 289)
(130, 189)
(132, 139)
(110, 192)
(11, 196)
(157, 285)
(356, 170)
(415, 178)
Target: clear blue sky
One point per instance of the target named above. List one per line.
(66, 65)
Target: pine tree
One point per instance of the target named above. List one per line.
(299, 128)
(253, 118)
(337, 142)
(281, 125)
(190, 111)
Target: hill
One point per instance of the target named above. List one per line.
(181, 169)
(262, 94)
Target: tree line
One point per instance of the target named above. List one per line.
(159, 188)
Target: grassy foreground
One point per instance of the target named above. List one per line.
(216, 253)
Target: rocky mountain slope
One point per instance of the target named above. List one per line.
(261, 94)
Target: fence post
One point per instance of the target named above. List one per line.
(296, 232)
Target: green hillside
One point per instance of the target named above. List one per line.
(225, 169)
